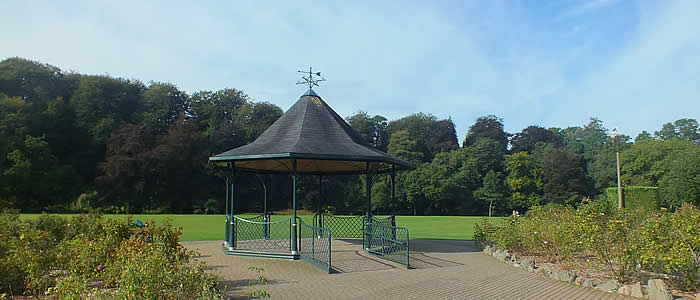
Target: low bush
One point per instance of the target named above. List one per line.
(87, 256)
(621, 240)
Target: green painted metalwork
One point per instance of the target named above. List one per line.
(388, 242)
(315, 245)
(348, 226)
(261, 235)
(295, 246)
(341, 226)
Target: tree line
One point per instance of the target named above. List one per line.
(72, 142)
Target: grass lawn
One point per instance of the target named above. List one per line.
(211, 227)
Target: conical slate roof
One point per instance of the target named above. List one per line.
(314, 135)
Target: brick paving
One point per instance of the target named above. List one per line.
(441, 270)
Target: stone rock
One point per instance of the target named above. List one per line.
(527, 265)
(543, 270)
(625, 290)
(587, 283)
(554, 275)
(658, 290)
(579, 280)
(487, 250)
(565, 276)
(608, 286)
(636, 290)
(502, 256)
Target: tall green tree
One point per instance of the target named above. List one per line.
(373, 129)
(488, 126)
(492, 191)
(684, 129)
(681, 183)
(530, 136)
(161, 104)
(405, 146)
(565, 180)
(524, 181)
(649, 160)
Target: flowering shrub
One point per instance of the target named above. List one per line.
(621, 240)
(88, 256)
(671, 243)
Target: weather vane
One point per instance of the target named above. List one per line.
(310, 81)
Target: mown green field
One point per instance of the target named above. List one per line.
(211, 227)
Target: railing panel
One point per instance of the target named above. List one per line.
(261, 235)
(315, 245)
(388, 242)
(341, 226)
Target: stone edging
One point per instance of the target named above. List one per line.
(656, 289)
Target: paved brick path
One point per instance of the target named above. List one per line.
(443, 270)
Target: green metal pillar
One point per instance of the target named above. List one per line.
(369, 192)
(233, 197)
(295, 248)
(320, 200)
(368, 217)
(393, 190)
(226, 239)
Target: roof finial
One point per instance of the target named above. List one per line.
(310, 81)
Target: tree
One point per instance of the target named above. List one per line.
(681, 183)
(528, 137)
(443, 137)
(161, 104)
(524, 181)
(492, 191)
(177, 164)
(642, 136)
(684, 129)
(418, 127)
(255, 117)
(487, 126)
(372, 129)
(405, 146)
(564, 178)
(126, 172)
(648, 161)
(212, 110)
(36, 179)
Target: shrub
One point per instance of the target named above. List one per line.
(621, 240)
(671, 243)
(484, 232)
(633, 197)
(88, 256)
(550, 231)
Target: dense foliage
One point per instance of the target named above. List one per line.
(72, 142)
(623, 242)
(87, 256)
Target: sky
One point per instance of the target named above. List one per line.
(554, 63)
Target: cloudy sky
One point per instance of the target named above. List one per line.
(556, 63)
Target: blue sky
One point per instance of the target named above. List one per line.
(634, 65)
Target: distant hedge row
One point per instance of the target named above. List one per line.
(635, 196)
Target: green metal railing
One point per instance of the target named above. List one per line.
(315, 245)
(341, 226)
(261, 235)
(349, 226)
(388, 242)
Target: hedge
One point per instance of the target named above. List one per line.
(635, 196)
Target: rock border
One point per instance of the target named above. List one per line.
(655, 289)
